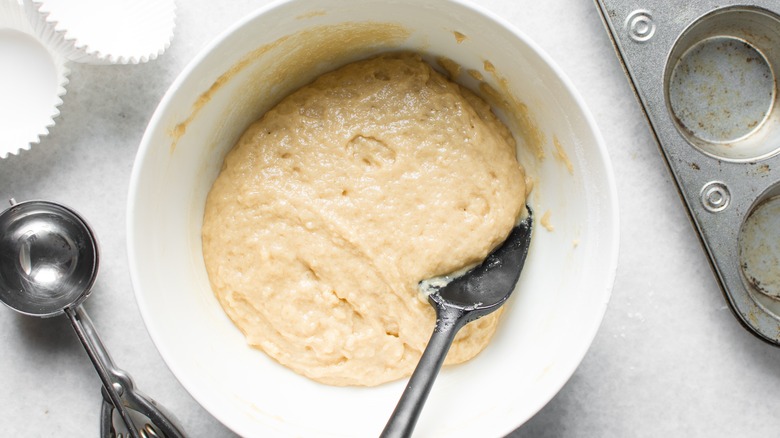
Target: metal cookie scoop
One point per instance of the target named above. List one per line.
(48, 265)
(473, 295)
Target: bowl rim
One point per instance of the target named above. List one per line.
(572, 361)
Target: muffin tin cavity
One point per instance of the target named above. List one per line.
(720, 84)
(759, 251)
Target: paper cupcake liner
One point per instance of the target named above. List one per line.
(105, 31)
(32, 81)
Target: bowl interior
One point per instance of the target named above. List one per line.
(564, 289)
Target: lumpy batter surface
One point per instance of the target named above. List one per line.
(338, 201)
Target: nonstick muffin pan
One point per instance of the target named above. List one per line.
(705, 73)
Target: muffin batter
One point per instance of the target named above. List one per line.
(338, 201)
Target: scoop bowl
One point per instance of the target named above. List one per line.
(48, 258)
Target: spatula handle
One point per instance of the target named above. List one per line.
(404, 417)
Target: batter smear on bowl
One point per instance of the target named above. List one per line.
(338, 201)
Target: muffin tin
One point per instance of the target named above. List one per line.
(705, 73)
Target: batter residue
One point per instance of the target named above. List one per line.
(338, 201)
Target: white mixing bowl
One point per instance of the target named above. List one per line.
(551, 319)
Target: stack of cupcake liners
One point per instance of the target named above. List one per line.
(38, 38)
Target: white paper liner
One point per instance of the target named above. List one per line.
(33, 77)
(105, 31)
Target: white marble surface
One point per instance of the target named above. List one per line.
(669, 360)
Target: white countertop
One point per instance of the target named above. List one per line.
(669, 360)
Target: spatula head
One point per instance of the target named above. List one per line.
(487, 286)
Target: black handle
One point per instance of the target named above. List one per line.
(404, 417)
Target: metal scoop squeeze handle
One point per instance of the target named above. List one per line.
(119, 391)
(113, 386)
(155, 423)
